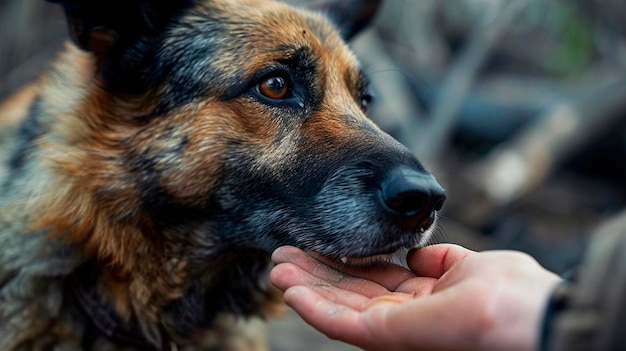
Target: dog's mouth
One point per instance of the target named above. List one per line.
(378, 254)
(390, 255)
(354, 262)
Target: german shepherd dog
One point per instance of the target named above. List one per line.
(173, 145)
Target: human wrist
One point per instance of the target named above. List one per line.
(557, 303)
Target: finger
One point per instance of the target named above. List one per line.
(433, 261)
(335, 320)
(290, 254)
(393, 298)
(417, 287)
(389, 276)
(286, 275)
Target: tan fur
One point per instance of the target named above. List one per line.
(16, 107)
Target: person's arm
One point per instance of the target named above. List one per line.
(451, 299)
(590, 313)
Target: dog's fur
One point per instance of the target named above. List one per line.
(146, 178)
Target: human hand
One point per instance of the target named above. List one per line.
(450, 299)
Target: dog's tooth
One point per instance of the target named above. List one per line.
(344, 259)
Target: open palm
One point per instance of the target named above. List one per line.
(451, 298)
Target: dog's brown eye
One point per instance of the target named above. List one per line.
(274, 87)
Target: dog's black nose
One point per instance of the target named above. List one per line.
(411, 198)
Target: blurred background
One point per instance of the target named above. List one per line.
(518, 107)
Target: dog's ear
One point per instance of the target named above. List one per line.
(101, 26)
(350, 16)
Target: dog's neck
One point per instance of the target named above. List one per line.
(101, 315)
(236, 286)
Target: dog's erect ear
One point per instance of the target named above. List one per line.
(100, 26)
(350, 16)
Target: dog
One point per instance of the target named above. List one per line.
(172, 146)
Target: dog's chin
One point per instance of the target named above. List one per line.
(380, 256)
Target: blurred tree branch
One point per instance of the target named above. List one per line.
(460, 78)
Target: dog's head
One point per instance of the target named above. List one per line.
(239, 125)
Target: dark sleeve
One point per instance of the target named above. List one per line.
(590, 313)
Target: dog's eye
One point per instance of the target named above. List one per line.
(275, 87)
